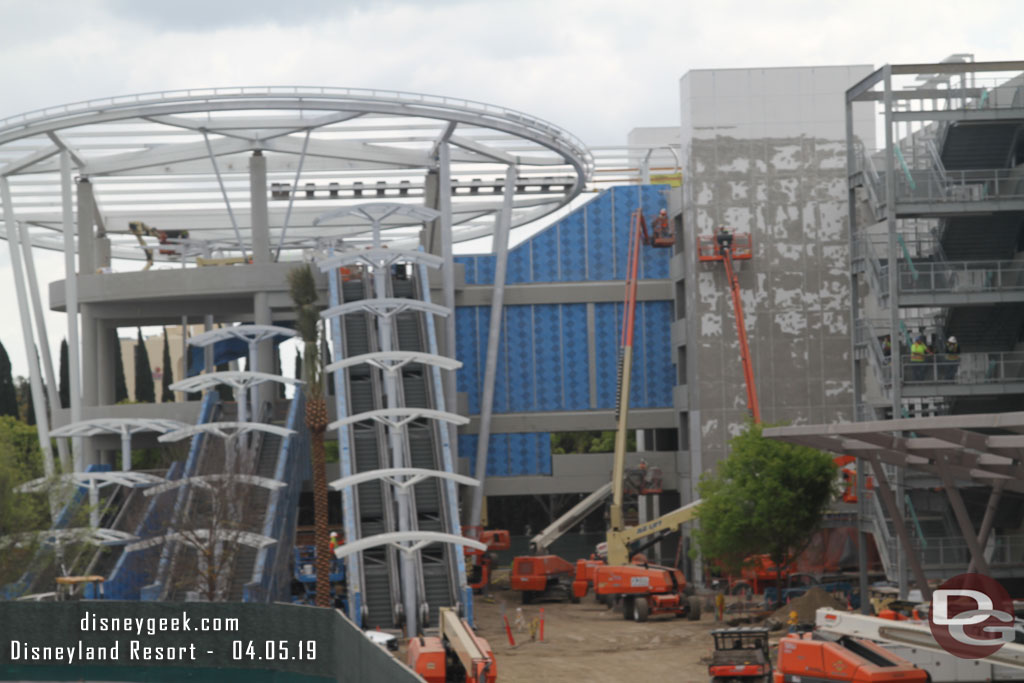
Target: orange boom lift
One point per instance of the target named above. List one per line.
(728, 247)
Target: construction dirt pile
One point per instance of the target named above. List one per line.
(806, 605)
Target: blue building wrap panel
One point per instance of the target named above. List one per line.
(575, 357)
(519, 264)
(659, 370)
(467, 378)
(543, 453)
(547, 343)
(467, 450)
(544, 255)
(606, 348)
(511, 454)
(470, 265)
(600, 247)
(624, 201)
(485, 269)
(572, 251)
(520, 455)
(497, 456)
(521, 369)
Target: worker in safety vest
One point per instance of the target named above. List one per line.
(659, 226)
(918, 350)
(334, 543)
(724, 239)
(952, 358)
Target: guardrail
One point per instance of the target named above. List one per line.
(961, 277)
(959, 186)
(971, 368)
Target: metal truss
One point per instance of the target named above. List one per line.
(419, 539)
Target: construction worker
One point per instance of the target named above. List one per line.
(724, 239)
(334, 543)
(659, 226)
(719, 604)
(887, 347)
(952, 358)
(918, 350)
(793, 621)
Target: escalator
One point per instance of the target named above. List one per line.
(438, 583)
(374, 505)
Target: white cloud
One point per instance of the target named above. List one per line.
(595, 67)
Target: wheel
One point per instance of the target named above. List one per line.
(527, 597)
(693, 614)
(627, 608)
(640, 610)
(572, 597)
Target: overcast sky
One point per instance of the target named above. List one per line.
(595, 67)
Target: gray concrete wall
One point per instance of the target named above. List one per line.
(764, 153)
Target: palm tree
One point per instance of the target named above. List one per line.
(303, 292)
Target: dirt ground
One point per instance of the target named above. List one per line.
(589, 642)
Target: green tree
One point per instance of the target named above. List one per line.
(145, 392)
(20, 461)
(768, 497)
(8, 391)
(302, 287)
(64, 386)
(120, 383)
(166, 395)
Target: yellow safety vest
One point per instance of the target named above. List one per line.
(917, 351)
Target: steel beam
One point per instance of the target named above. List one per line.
(962, 518)
(501, 236)
(901, 528)
(986, 522)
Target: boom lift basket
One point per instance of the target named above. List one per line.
(742, 247)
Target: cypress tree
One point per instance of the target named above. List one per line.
(64, 389)
(145, 391)
(166, 395)
(8, 393)
(120, 383)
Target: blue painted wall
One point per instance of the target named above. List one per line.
(543, 356)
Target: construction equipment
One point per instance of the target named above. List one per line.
(542, 576)
(483, 561)
(913, 641)
(819, 656)
(456, 655)
(164, 237)
(542, 541)
(661, 235)
(741, 654)
(646, 590)
(584, 578)
(728, 247)
(79, 587)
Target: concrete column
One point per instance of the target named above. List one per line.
(90, 390)
(261, 255)
(106, 336)
(86, 235)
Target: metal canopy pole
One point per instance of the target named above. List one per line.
(126, 450)
(901, 528)
(862, 538)
(990, 515)
(71, 299)
(291, 195)
(501, 231)
(962, 518)
(409, 583)
(224, 192)
(444, 205)
(38, 402)
(52, 395)
(353, 563)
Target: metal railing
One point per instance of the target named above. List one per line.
(959, 186)
(107, 104)
(955, 277)
(970, 368)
